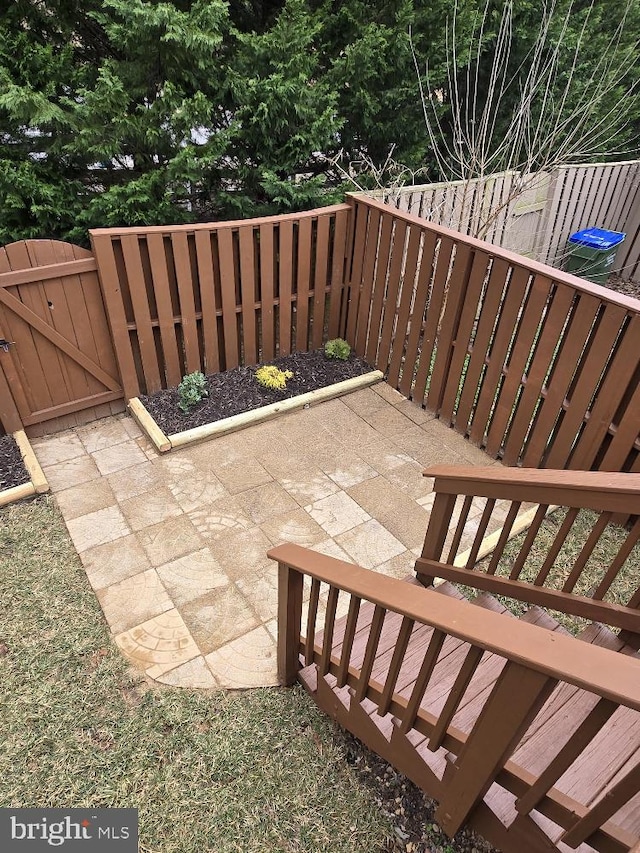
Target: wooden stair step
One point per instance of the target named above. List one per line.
(608, 757)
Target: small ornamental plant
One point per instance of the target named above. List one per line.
(337, 348)
(272, 378)
(191, 390)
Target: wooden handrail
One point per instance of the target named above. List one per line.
(599, 490)
(610, 675)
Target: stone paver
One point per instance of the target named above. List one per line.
(85, 498)
(337, 513)
(159, 644)
(134, 600)
(172, 538)
(112, 562)
(175, 545)
(70, 472)
(96, 528)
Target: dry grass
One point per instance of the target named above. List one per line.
(252, 771)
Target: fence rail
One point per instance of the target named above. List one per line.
(535, 214)
(211, 297)
(538, 367)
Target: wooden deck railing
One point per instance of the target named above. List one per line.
(475, 495)
(535, 662)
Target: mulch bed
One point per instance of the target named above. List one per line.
(236, 391)
(12, 470)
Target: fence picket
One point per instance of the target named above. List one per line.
(184, 278)
(338, 263)
(564, 365)
(554, 322)
(591, 366)
(459, 277)
(303, 281)
(416, 319)
(516, 366)
(320, 299)
(206, 280)
(404, 307)
(375, 310)
(463, 334)
(164, 307)
(248, 295)
(285, 287)
(267, 298)
(479, 348)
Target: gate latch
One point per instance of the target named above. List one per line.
(4, 345)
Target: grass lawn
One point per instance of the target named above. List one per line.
(249, 771)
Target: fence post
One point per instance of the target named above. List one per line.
(515, 700)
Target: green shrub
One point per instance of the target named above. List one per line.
(337, 348)
(191, 390)
(271, 377)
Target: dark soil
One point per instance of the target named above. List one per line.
(236, 391)
(409, 810)
(627, 288)
(12, 470)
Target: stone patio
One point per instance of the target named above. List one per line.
(175, 545)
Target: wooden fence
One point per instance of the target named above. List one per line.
(538, 219)
(210, 297)
(536, 366)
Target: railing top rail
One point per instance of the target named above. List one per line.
(601, 671)
(217, 226)
(512, 258)
(466, 478)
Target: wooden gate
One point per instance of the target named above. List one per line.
(57, 361)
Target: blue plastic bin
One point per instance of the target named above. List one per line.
(591, 253)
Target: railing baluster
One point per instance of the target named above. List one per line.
(329, 623)
(370, 652)
(521, 559)
(347, 642)
(605, 808)
(457, 536)
(578, 741)
(311, 622)
(556, 546)
(426, 670)
(587, 550)
(482, 527)
(504, 536)
(456, 693)
(618, 561)
(438, 528)
(396, 663)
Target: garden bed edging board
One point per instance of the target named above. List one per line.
(164, 443)
(37, 484)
